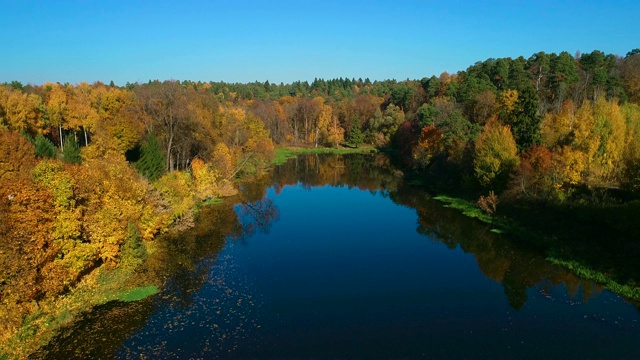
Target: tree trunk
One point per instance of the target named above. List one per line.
(60, 133)
(169, 158)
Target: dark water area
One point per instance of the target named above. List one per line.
(335, 257)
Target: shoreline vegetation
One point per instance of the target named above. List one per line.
(551, 249)
(92, 175)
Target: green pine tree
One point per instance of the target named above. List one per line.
(44, 147)
(525, 123)
(356, 137)
(152, 163)
(71, 152)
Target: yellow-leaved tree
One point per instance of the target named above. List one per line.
(496, 156)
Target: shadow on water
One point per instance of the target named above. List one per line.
(191, 265)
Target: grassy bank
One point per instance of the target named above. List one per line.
(558, 251)
(285, 153)
(628, 290)
(51, 315)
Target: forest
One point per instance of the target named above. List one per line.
(90, 174)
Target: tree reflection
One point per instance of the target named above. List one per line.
(516, 266)
(257, 216)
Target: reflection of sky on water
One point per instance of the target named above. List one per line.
(344, 273)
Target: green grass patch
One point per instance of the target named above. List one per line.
(585, 272)
(466, 207)
(471, 210)
(210, 202)
(282, 155)
(136, 294)
(285, 153)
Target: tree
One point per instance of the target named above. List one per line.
(81, 115)
(335, 132)
(16, 153)
(384, 125)
(431, 144)
(44, 147)
(533, 177)
(167, 107)
(496, 156)
(631, 76)
(71, 151)
(152, 163)
(21, 112)
(631, 158)
(525, 122)
(56, 104)
(564, 76)
(356, 137)
(556, 129)
(484, 106)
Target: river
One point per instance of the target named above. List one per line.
(334, 256)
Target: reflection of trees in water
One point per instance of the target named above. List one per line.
(93, 337)
(366, 171)
(257, 216)
(516, 266)
(182, 262)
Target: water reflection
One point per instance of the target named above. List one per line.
(187, 264)
(213, 306)
(517, 267)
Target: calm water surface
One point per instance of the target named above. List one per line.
(315, 266)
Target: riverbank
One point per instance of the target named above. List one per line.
(129, 282)
(53, 314)
(574, 243)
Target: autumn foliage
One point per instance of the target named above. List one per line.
(90, 173)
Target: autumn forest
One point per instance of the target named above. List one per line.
(91, 174)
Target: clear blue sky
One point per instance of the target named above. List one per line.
(283, 41)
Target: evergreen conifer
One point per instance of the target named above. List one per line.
(152, 163)
(44, 147)
(71, 152)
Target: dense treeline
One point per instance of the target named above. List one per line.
(546, 128)
(90, 173)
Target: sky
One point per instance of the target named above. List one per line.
(285, 41)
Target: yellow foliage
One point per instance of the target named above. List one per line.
(56, 103)
(114, 196)
(222, 161)
(16, 153)
(572, 164)
(556, 128)
(496, 155)
(176, 188)
(81, 113)
(22, 112)
(508, 100)
(205, 179)
(585, 137)
(612, 130)
(335, 133)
